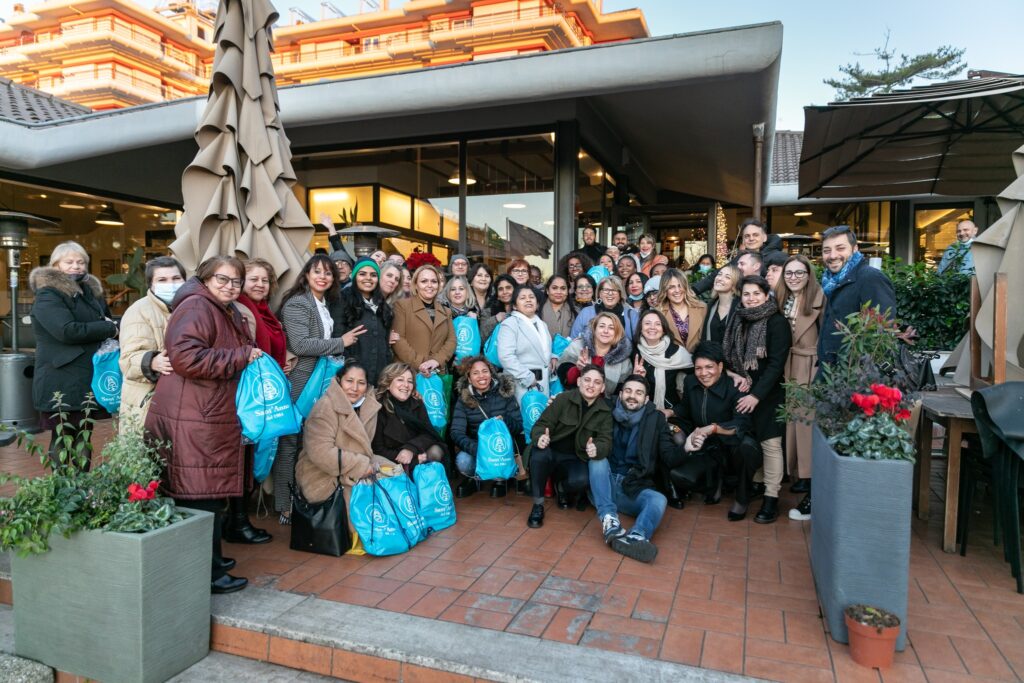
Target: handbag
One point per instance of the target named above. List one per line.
(917, 368)
(435, 399)
(495, 457)
(531, 406)
(320, 527)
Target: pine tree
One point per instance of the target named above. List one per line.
(943, 63)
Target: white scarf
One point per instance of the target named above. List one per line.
(543, 341)
(655, 355)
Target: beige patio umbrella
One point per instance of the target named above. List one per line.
(237, 191)
(1000, 249)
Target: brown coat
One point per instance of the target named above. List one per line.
(696, 312)
(193, 410)
(332, 426)
(801, 366)
(420, 338)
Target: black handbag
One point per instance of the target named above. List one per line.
(917, 367)
(321, 527)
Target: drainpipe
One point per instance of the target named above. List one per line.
(758, 156)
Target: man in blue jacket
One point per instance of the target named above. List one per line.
(849, 283)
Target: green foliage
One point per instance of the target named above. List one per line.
(135, 276)
(69, 499)
(877, 438)
(940, 64)
(937, 305)
(350, 216)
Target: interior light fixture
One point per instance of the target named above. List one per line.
(549, 222)
(514, 205)
(68, 204)
(108, 216)
(454, 177)
(804, 213)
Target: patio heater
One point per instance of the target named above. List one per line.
(366, 238)
(16, 368)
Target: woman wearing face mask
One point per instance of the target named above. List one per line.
(705, 264)
(683, 310)
(499, 308)
(309, 327)
(635, 284)
(645, 255)
(143, 356)
(524, 344)
(603, 342)
(583, 290)
(70, 319)
(557, 312)
(426, 338)
(756, 347)
(361, 306)
(611, 297)
(404, 434)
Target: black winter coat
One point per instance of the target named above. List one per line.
(654, 445)
(862, 285)
(771, 245)
(716, 404)
(767, 379)
(69, 323)
(498, 401)
(392, 435)
(372, 349)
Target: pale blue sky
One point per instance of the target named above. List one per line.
(819, 36)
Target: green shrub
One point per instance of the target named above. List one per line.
(937, 305)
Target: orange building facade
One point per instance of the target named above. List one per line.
(109, 54)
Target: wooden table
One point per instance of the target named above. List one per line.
(952, 410)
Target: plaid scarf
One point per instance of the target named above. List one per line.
(746, 340)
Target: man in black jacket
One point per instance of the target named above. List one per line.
(849, 283)
(625, 479)
(590, 245)
(753, 237)
(718, 435)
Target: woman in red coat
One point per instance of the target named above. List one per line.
(193, 411)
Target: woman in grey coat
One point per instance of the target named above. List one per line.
(308, 326)
(524, 344)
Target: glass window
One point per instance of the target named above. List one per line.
(395, 208)
(593, 186)
(935, 227)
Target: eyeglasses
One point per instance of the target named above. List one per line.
(795, 274)
(584, 288)
(608, 291)
(520, 270)
(224, 281)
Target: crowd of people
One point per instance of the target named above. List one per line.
(665, 387)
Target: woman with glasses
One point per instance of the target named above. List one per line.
(583, 288)
(519, 269)
(802, 301)
(574, 264)
(611, 298)
(682, 308)
(193, 415)
(309, 329)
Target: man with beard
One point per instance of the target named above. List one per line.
(625, 479)
(621, 240)
(849, 283)
(753, 237)
(590, 246)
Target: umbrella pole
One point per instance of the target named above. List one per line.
(758, 155)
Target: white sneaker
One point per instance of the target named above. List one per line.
(802, 512)
(611, 528)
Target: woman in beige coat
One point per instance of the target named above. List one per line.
(426, 338)
(143, 355)
(801, 300)
(337, 436)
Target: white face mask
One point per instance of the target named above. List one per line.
(165, 291)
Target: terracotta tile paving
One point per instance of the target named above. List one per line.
(735, 597)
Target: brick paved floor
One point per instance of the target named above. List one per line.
(736, 597)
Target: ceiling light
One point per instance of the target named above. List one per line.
(108, 216)
(454, 177)
(596, 224)
(549, 222)
(514, 205)
(804, 213)
(581, 155)
(68, 204)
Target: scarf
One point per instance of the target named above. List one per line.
(656, 358)
(830, 280)
(746, 340)
(560, 321)
(269, 331)
(541, 341)
(628, 420)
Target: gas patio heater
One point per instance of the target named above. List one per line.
(365, 237)
(16, 368)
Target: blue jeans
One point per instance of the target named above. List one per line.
(648, 506)
(466, 464)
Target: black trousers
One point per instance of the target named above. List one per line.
(564, 467)
(217, 507)
(701, 471)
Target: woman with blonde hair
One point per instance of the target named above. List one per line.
(426, 338)
(802, 301)
(724, 302)
(458, 298)
(610, 297)
(391, 282)
(604, 343)
(684, 311)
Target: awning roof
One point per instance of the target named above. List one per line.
(950, 139)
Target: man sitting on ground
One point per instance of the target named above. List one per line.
(625, 479)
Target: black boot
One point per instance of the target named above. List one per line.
(769, 511)
(238, 528)
(563, 499)
(225, 563)
(801, 486)
(536, 518)
(499, 489)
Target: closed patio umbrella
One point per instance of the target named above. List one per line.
(237, 191)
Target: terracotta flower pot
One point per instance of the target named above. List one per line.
(871, 646)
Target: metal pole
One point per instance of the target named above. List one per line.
(758, 156)
(13, 263)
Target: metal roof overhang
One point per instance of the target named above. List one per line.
(952, 139)
(680, 106)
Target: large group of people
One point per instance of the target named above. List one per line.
(665, 385)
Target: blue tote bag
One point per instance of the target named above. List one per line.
(324, 371)
(106, 376)
(467, 337)
(437, 505)
(495, 452)
(598, 273)
(263, 458)
(375, 519)
(491, 348)
(400, 490)
(558, 345)
(264, 405)
(533, 404)
(435, 399)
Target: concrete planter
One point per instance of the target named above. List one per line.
(117, 607)
(860, 535)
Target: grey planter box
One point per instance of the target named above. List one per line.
(860, 534)
(117, 607)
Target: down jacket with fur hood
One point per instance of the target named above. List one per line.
(617, 364)
(471, 409)
(70, 320)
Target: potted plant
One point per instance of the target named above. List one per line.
(110, 580)
(863, 455)
(873, 634)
